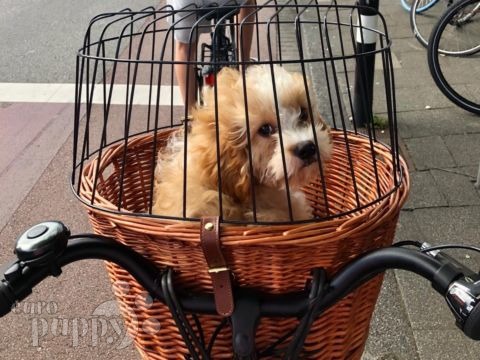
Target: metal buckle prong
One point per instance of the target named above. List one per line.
(218, 269)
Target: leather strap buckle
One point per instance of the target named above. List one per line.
(217, 266)
(217, 270)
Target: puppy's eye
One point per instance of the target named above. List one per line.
(303, 114)
(266, 130)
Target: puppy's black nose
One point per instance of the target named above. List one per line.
(306, 150)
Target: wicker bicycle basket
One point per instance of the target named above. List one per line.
(356, 203)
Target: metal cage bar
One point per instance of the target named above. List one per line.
(126, 92)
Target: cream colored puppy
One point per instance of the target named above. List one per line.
(253, 168)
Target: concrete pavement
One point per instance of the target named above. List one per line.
(442, 145)
(411, 322)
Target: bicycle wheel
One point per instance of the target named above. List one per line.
(459, 32)
(423, 6)
(459, 35)
(423, 22)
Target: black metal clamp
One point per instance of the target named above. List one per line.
(244, 322)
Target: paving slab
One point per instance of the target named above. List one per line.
(398, 31)
(469, 171)
(451, 225)
(409, 99)
(457, 188)
(391, 336)
(473, 89)
(407, 227)
(429, 316)
(413, 62)
(446, 345)
(429, 152)
(465, 149)
(434, 122)
(432, 312)
(408, 45)
(404, 81)
(424, 191)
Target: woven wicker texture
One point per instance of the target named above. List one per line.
(275, 258)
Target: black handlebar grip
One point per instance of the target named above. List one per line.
(472, 324)
(7, 298)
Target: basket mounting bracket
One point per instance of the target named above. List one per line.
(244, 322)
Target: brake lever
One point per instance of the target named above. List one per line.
(447, 259)
(462, 295)
(463, 298)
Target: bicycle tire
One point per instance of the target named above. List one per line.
(426, 4)
(419, 21)
(438, 65)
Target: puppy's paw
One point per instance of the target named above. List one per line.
(302, 210)
(304, 213)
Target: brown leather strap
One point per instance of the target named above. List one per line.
(217, 266)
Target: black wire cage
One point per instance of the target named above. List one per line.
(180, 116)
(127, 89)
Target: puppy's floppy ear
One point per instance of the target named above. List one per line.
(228, 85)
(235, 172)
(234, 165)
(228, 78)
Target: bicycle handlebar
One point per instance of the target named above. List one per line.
(44, 249)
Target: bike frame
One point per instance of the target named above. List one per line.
(221, 51)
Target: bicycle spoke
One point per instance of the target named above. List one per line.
(462, 35)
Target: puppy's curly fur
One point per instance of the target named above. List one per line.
(259, 173)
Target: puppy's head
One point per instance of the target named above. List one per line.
(289, 138)
(267, 128)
